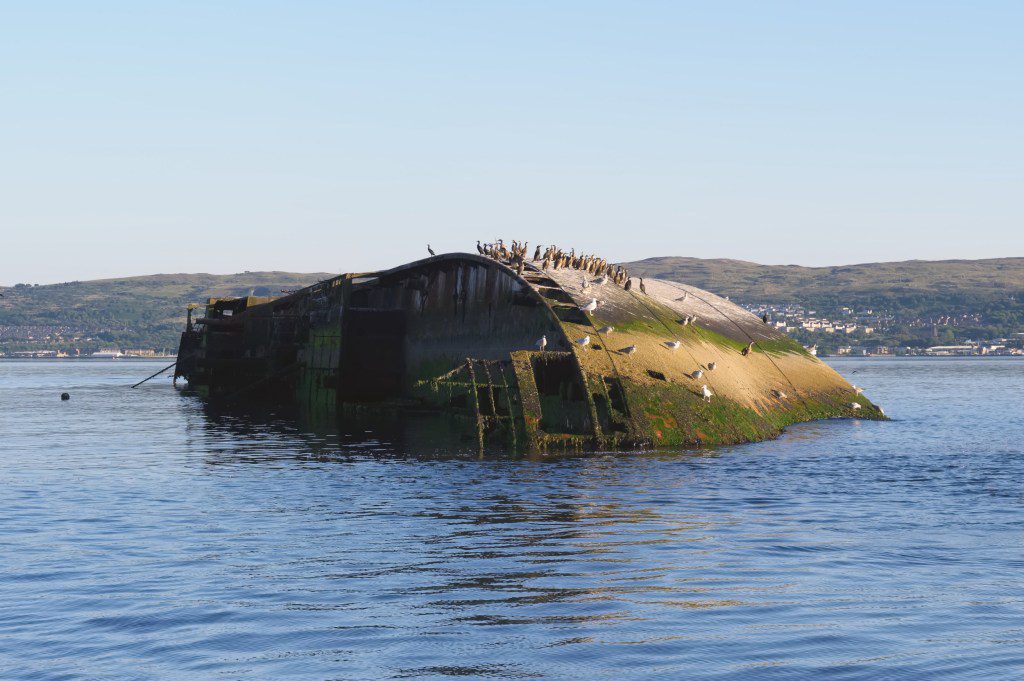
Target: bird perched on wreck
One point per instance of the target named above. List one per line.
(705, 393)
(542, 343)
(591, 306)
(629, 284)
(585, 285)
(747, 350)
(430, 250)
(643, 289)
(536, 254)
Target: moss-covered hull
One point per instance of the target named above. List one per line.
(457, 335)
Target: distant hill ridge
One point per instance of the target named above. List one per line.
(149, 311)
(144, 311)
(888, 280)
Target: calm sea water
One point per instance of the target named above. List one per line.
(141, 537)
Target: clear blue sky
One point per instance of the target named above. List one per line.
(144, 137)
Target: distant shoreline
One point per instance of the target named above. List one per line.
(827, 357)
(86, 359)
(823, 357)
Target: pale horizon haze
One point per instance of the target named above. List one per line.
(143, 138)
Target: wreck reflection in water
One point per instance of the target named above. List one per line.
(145, 534)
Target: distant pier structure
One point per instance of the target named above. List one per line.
(457, 335)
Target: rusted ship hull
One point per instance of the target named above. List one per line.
(456, 334)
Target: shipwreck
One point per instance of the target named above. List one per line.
(552, 352)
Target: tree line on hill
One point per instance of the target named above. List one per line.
(149, 311)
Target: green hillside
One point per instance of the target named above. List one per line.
(904, 299)
(146, 312)
(912, 301)
(900, 283)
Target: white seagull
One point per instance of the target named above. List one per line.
(858, 390)
(854, 405)
(672, 345)
(583, 341)
(712, 366)
(781, 395)
(705, 393)
(591, 306)
(605, 330)
(628, 350)
(696, 374)
(542, 343)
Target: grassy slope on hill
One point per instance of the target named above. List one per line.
(146, 311)
(149, 311)
(916, 289)
(943, 281)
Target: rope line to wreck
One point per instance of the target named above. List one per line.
(156, 374)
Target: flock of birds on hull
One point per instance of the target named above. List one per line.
(515, 254)
(553, 257)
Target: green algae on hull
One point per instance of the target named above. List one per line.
(457, 335)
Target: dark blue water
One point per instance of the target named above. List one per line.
(141, 537)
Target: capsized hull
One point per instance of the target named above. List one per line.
(457, 335)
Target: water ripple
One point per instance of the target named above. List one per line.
(146, 537)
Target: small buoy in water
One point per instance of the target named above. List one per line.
(65, 397)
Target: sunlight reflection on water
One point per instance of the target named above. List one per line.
(143, 536)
